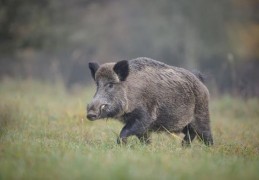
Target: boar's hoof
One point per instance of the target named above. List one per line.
(121, 140)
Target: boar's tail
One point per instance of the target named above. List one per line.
(199, 75)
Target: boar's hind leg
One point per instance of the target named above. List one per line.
(189, 135)
(201, 123)
(202, 127)
(206, 137)
(137, 123)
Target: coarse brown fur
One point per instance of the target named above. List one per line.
(148, 95)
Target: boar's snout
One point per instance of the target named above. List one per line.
(96, 110)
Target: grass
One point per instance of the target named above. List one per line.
(44, 135)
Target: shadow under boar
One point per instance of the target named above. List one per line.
(147, 96)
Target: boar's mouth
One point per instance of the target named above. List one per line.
(93, 115)
(105, 111)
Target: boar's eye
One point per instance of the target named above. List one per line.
(110, 85)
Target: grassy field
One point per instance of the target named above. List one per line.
(44, 135)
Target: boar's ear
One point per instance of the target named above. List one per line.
(93, 68)
(121, 68)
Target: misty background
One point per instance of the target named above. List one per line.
(53, 40)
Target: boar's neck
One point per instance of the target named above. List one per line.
(137, 113)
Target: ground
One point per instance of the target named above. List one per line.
(44, 135)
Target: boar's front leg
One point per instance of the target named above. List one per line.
(134, 127)
(137, 123)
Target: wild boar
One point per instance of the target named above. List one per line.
(150, 96)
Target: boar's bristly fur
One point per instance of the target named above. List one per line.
(147, 96)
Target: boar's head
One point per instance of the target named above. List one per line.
(110, 99)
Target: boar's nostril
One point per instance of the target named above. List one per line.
(91, 116)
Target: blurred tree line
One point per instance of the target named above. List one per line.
(55, 39)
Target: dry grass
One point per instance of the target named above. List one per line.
(44, 135)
